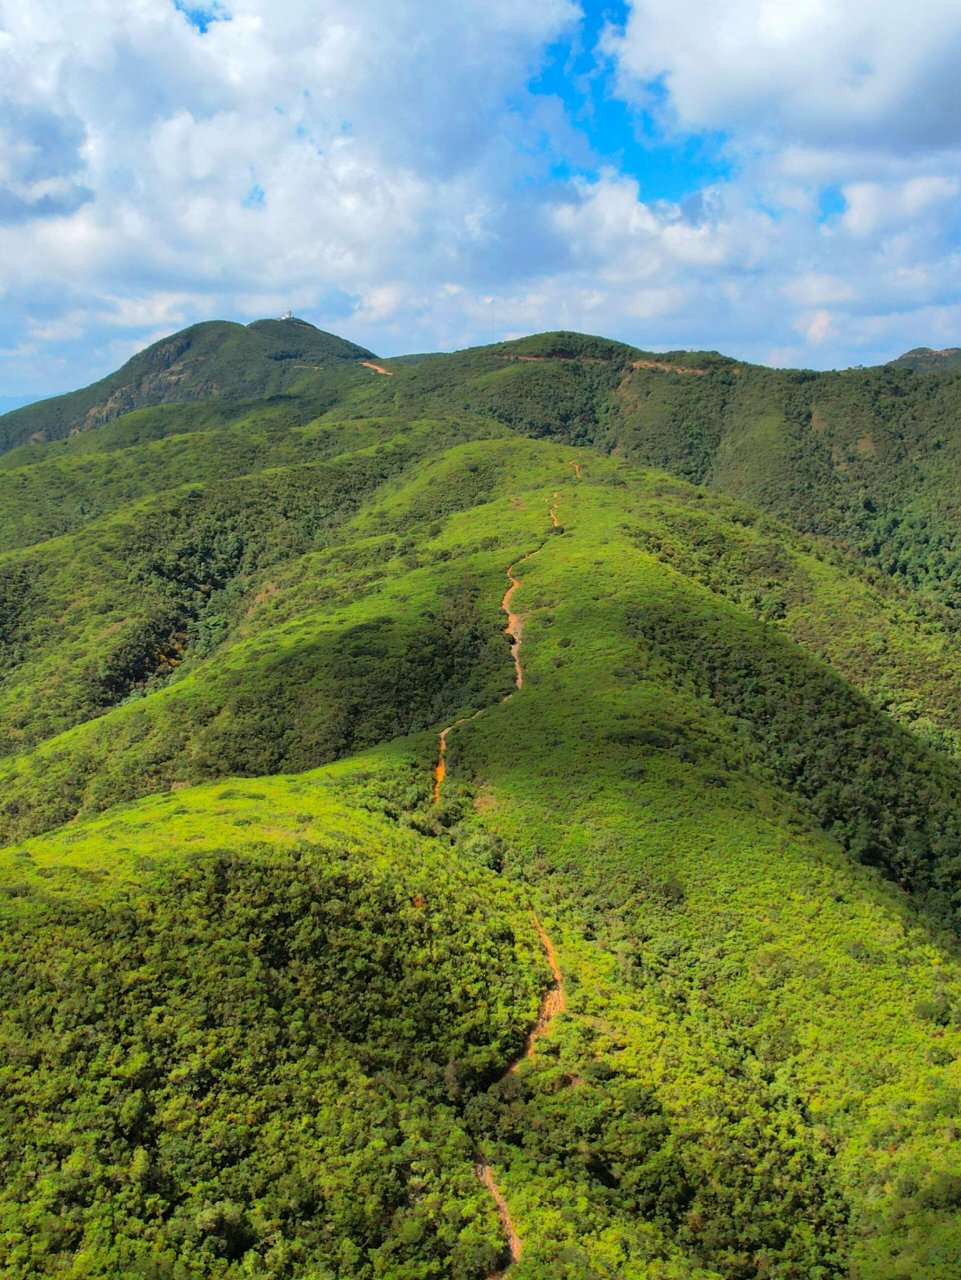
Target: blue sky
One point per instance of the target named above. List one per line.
(779, 182)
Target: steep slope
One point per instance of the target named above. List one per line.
(215, 360)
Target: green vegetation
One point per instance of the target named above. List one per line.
(252, 1051)
(265, 1003)
(216, 360)
(926, 360)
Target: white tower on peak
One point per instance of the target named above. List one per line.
(288, 315)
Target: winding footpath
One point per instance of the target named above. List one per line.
(553, 1002)
(554, 999)
(513, 629)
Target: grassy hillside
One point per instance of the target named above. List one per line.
(867, 457)
(268, 1001)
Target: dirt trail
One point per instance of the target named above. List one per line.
(515, 1244)
(553, 1002)
(561, 359)
(664, 365)
(440, 768)
(377, 368)
(514, 629)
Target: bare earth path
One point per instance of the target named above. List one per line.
(553, 1000)
(513, 629)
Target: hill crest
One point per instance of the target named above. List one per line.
(216, 359)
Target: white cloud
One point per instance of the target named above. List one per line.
(817, 327)
(855, 105)
(381, 167)
(817, 289)
(875, 206)
(868, 73)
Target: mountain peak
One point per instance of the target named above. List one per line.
(928, 360)
(213, 360)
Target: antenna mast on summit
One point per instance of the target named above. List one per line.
(288, 315)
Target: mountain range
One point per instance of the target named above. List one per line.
(484, 813)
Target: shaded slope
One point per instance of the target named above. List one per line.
(117, 609)
(247, 1038)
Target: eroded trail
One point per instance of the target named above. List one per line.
(514, 629)
(514, 1243)
(515, 626)
(553, 1000)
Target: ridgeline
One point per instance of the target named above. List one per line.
(282, 987)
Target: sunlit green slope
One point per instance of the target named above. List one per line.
(266, 990)
(259, 1026)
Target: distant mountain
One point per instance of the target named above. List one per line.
(927, 360)
(216, 360)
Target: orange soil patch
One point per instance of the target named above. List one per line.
(268, 590)
(577, 469)
(668, 368)
(377, 368)
(866, 447)
(514, 1243)
(440, 768)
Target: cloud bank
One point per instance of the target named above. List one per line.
(391, 170)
